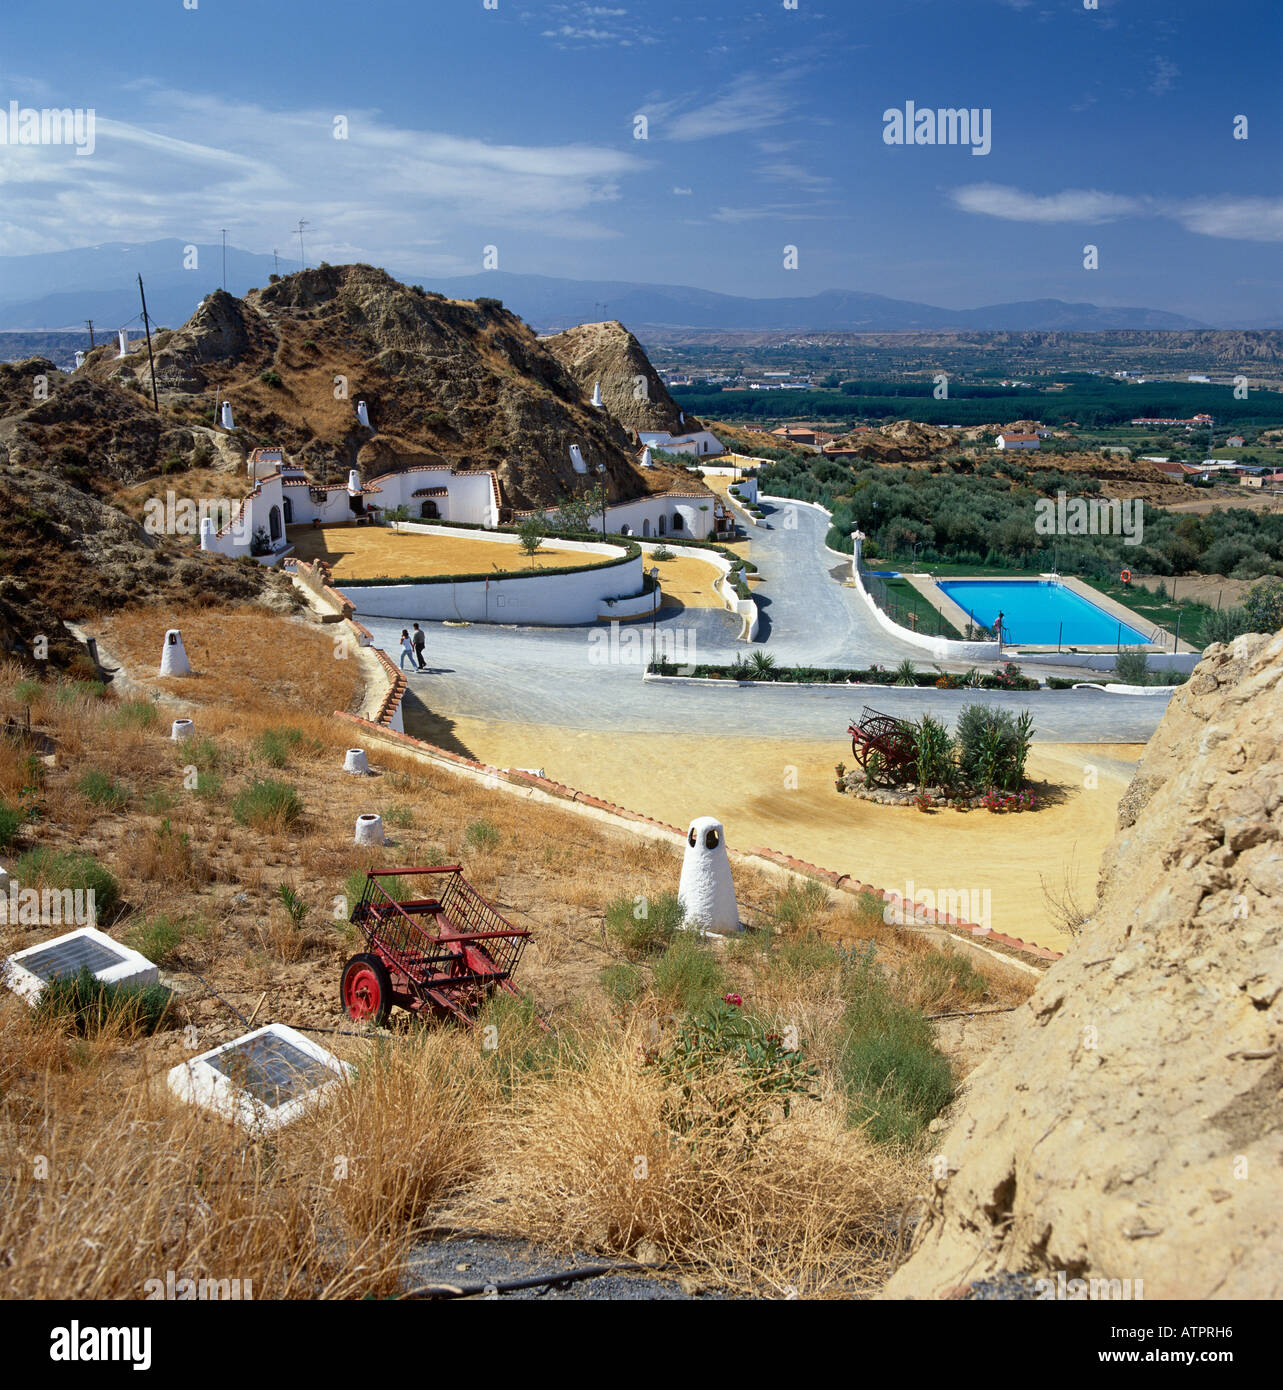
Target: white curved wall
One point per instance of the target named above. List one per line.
(554, 599)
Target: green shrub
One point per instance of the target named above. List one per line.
(10, 823)
(623, 983)
(895, 1078)
(209, 785)
(133, 714)
(159, 938)
(71, 691)
(274, 746)
(102, 790)
(689, 973)
(933, 753)
(642, 926)
(88, 1005)
(948, 975)
(47, 868)
(801, 904)
(27, 692)
(400, 816)
(1131, 668)
(481, 836)
(993, 746)
(267, 805)
(203, 754)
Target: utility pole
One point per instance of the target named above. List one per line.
(224, 260)
(155, 398)
(89, 324)
(276, 261)
(301, 256)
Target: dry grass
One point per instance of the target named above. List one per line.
(540, 1138)
(587, 1159)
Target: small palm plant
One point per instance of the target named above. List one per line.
(906, 673)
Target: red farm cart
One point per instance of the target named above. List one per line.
(441, 953)
(883, 746)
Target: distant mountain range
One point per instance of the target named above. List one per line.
(61, 289)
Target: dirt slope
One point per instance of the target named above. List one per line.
(1132, 1126)
(630, 387)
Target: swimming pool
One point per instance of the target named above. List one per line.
(1036, 612)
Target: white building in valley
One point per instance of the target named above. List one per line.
(698, 442)
(1019, 441)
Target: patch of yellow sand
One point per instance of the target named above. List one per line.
(377, 552)
(781, 794)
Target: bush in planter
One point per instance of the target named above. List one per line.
(993, 746)
(933, 753)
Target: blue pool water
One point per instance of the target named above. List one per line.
(1039, 613)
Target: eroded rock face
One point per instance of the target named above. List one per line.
(608, 355)
(1132, 1125)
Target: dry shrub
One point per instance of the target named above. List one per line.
(165, 857)
(586, 1159)
(406, 1133)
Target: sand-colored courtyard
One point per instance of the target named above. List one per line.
(379, 552)
(781, 794)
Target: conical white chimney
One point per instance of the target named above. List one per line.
(362, 414)
(123, 338)
(353, 483)
(596, 395)
(227, 416)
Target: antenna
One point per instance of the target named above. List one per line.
(89, 324)
(224, 260)
(301, 256)
(151, 361)
(276, 261)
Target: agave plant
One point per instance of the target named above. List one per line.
(763, 665)
(906, 673)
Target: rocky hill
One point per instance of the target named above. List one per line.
(1132, 1124)
(631, 389)
(454, 381)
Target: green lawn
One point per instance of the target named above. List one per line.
(910, 602)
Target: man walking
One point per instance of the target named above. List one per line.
(419, 642)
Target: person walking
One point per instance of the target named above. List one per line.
(406, 649)
(419, 642)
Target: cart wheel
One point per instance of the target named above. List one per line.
(366, 990)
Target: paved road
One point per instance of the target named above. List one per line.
(590, 678)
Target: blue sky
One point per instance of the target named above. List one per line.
(514, 127)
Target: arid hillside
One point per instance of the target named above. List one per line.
(1131, 1126)
(455, 381)
(630, 387)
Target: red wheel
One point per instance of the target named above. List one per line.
(366, 990)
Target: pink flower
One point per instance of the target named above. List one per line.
(733, 1000)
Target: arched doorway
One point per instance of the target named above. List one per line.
(663, 526)
(287, 505)
(625, 530)
(274, 524)
(646, 527)
(677, 521)
(429, 511)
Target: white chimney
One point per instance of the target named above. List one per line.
(227, 416)
(369, 830)
(123, 338)
(706, 890)
(356, 762)
(173, 655)
(363, 415)
(354, 483)
(181, 730)
(207, 533)
(647, 461)
(681, 416)
(80, 360)
(596, 395)
(577, 460)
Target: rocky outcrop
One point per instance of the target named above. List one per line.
(631, 389)
(1132, 1124)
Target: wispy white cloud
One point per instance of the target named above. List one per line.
(1235, 218)
(385, 191)
(751, 102)
(1073, 205)
(1165, 73)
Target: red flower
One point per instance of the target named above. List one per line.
(733, 1000)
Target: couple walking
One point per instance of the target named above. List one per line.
(414, 650)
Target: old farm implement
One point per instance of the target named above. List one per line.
(883, 746)
(441, 953)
